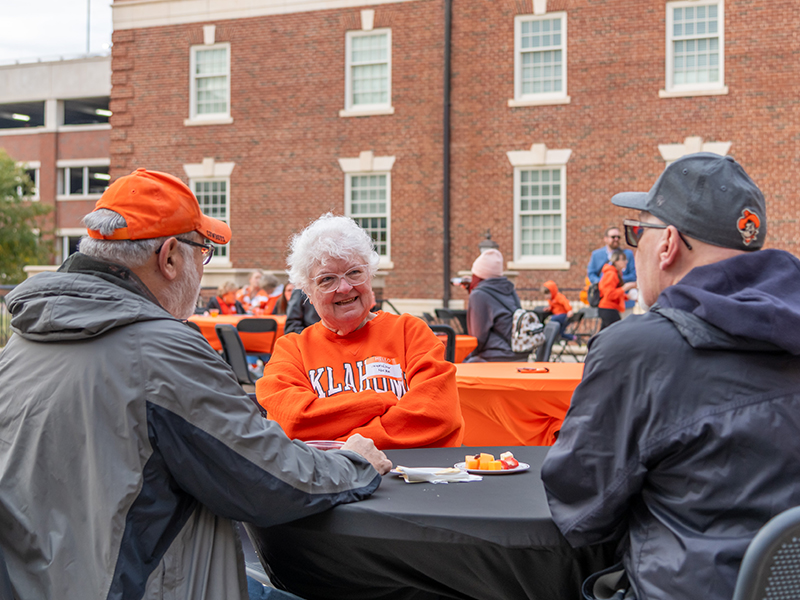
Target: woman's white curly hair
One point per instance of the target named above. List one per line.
(329, 237)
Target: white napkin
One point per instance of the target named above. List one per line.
(435, 474)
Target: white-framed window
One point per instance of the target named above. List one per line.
(540, 208)
(369, 204)
(368, 73)
(31, 169)
(70, 238)
(82, 180)
(540, 59)
(213, 196)
(368, 198)
(210, 85)
(695, 52)
(211, 182)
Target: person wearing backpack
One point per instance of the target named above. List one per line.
(490, 312)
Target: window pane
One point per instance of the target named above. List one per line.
(541, 58)
(212, 195)
(371, 215)
(211, 78)
(540, 213)
(98, 179)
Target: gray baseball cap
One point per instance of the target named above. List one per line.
(708, 197)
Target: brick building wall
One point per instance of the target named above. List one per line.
(287, 88)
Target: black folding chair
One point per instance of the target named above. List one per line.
(450, 345)
(260, 325)
(771, 565)
(551, 332)
(233, 352)
(583, 325)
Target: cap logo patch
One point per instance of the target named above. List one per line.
(748, 226)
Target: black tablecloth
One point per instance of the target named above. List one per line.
(486, 540)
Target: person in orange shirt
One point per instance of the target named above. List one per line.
(612, 290)
(560, 308)
(253, 289)
(377, 374)
(225, 301)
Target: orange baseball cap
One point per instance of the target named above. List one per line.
(157, 205)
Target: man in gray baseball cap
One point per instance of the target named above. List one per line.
(682, 439)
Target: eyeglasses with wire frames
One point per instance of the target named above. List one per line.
(635, 229)
(207, 249)
(329, 282)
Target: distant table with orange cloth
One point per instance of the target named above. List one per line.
(253, 342)
(505, 407)
(464, 345)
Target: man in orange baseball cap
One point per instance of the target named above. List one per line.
(130, 442)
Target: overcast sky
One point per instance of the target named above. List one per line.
(49, 29)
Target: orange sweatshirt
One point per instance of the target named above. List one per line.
(558, 301)
(387, 381)
(611, 294)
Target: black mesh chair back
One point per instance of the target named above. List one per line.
(233, 352)
(429, 318)
(448, 317)
(771, 566)
(552, 331)
(450, 345)
(260, 325)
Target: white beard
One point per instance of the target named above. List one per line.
(181, 298)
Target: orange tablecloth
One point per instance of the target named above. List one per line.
(503, 407)
(464, 345)
(253, 342)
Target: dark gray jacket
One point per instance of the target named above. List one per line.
(127, 447)
(683, 438)
(300, 313)
(490, 314)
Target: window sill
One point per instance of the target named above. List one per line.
(366, 112)
(218, 121)
(92, 127)
(25, 130)
(723, 91)
(385, 265)
(539, 266)
(539, 101)
(74, 197)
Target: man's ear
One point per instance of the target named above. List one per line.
(168, 258)
(669, 247)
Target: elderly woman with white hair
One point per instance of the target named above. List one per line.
(377, 374)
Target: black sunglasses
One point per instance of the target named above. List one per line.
(207, 249)
(635, 229)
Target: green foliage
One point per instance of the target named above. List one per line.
(20, 243)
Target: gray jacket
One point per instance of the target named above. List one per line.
(683, 438)
(490, 316)
(127, 448)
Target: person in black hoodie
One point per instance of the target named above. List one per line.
(683, 438)
(490, 312)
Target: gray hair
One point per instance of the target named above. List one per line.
(328, 237)
(128, 253)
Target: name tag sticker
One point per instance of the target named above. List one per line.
(378, 366)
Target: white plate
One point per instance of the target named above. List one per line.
(519, 469)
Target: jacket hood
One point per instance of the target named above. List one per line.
(74, 306)
(501, 284)
(551, 287)
(750, 301)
